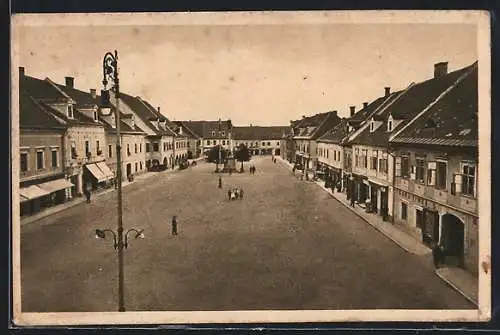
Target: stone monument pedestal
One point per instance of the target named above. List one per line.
(229, 165)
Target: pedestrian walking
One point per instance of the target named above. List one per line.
(254, 169)
(220, 182)
(236, 193)
(229, 194)
(241, 194)
(174, 225)
(87, 195)
(352, 201)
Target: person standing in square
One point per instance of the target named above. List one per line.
(174, 225)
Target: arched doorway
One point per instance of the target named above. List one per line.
(452, 239)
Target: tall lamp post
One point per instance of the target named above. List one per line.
(110, 74)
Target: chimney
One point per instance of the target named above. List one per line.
(333, 112)
(158, 108)
(440, 69)
(21, 71)
(93, 93)
(70, 81)
(365, 104)
(303, 116)
(387, 91)
(353, 110)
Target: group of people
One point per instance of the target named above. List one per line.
(252, 169)
(235, 193)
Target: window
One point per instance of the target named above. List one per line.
(208, 142)
(148, 147)
(327, 153)
(223, 133)
(135, 166)
(268, 144)
(405, 166)
(441, 175)
(431, 173)
(70, 111)
(468, 179)
(164, 146)
(54, 158)
(128, 149)
(140, 148)
(156, 147)
(87, 148)
(373, 163)
(110, 151)
(383, 165)
(356, 157)
(213, 133)
(263, 144)
(24, 161)
(372, 126)
(74, 154)
(420, 170)
(135, 147)
(223, 142)
(278, 143)
(404, 211)
(365, 159)
(140, 164)
(95, 116)
(39, 160)
(389, 126)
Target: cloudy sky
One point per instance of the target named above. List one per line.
(259, 74)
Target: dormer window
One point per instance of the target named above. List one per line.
(95, 116)
(213, 133)
(70, 111)
(222, 133)
(372, 126)
(389, 125)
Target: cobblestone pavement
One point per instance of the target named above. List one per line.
(287, 245)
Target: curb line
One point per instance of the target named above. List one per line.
(456, 288)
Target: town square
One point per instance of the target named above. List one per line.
(248, 168)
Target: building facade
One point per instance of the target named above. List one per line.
(259, 140)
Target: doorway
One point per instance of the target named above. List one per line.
(452, 238)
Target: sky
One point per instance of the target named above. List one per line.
(251, 74)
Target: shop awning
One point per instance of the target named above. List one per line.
(96, 172)
(32, 192)
(106, 170)
(56, 185)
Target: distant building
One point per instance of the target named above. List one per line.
(260, 140)
(211, 133)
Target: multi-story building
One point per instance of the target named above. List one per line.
(211, 133)
(159, 142)
(308, 130)
(259, 140)
(193, 140)
(288, 144)
(373, 164)
(85, 136)
(436, 170)
(331, 154)
(43, 182)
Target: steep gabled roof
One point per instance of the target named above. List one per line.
(34, 115)
(144, 113)
(186, 129)
(259, 133)
(315, 126)
(451, 121)
(407, 106)
(337, 133)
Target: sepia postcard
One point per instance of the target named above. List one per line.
(250, 167)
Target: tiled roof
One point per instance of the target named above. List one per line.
(366, 112)
(82, 99)
(34, 115)
(186, 129)
(40, 89)
(259, 133)
(144, 113)
(124, 127)
(315, 126)
(205, 128)
(452, 121)
(171, 128)
(407, 106)
(336, 134)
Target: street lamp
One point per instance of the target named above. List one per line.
(101, 234)
(110, 74)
